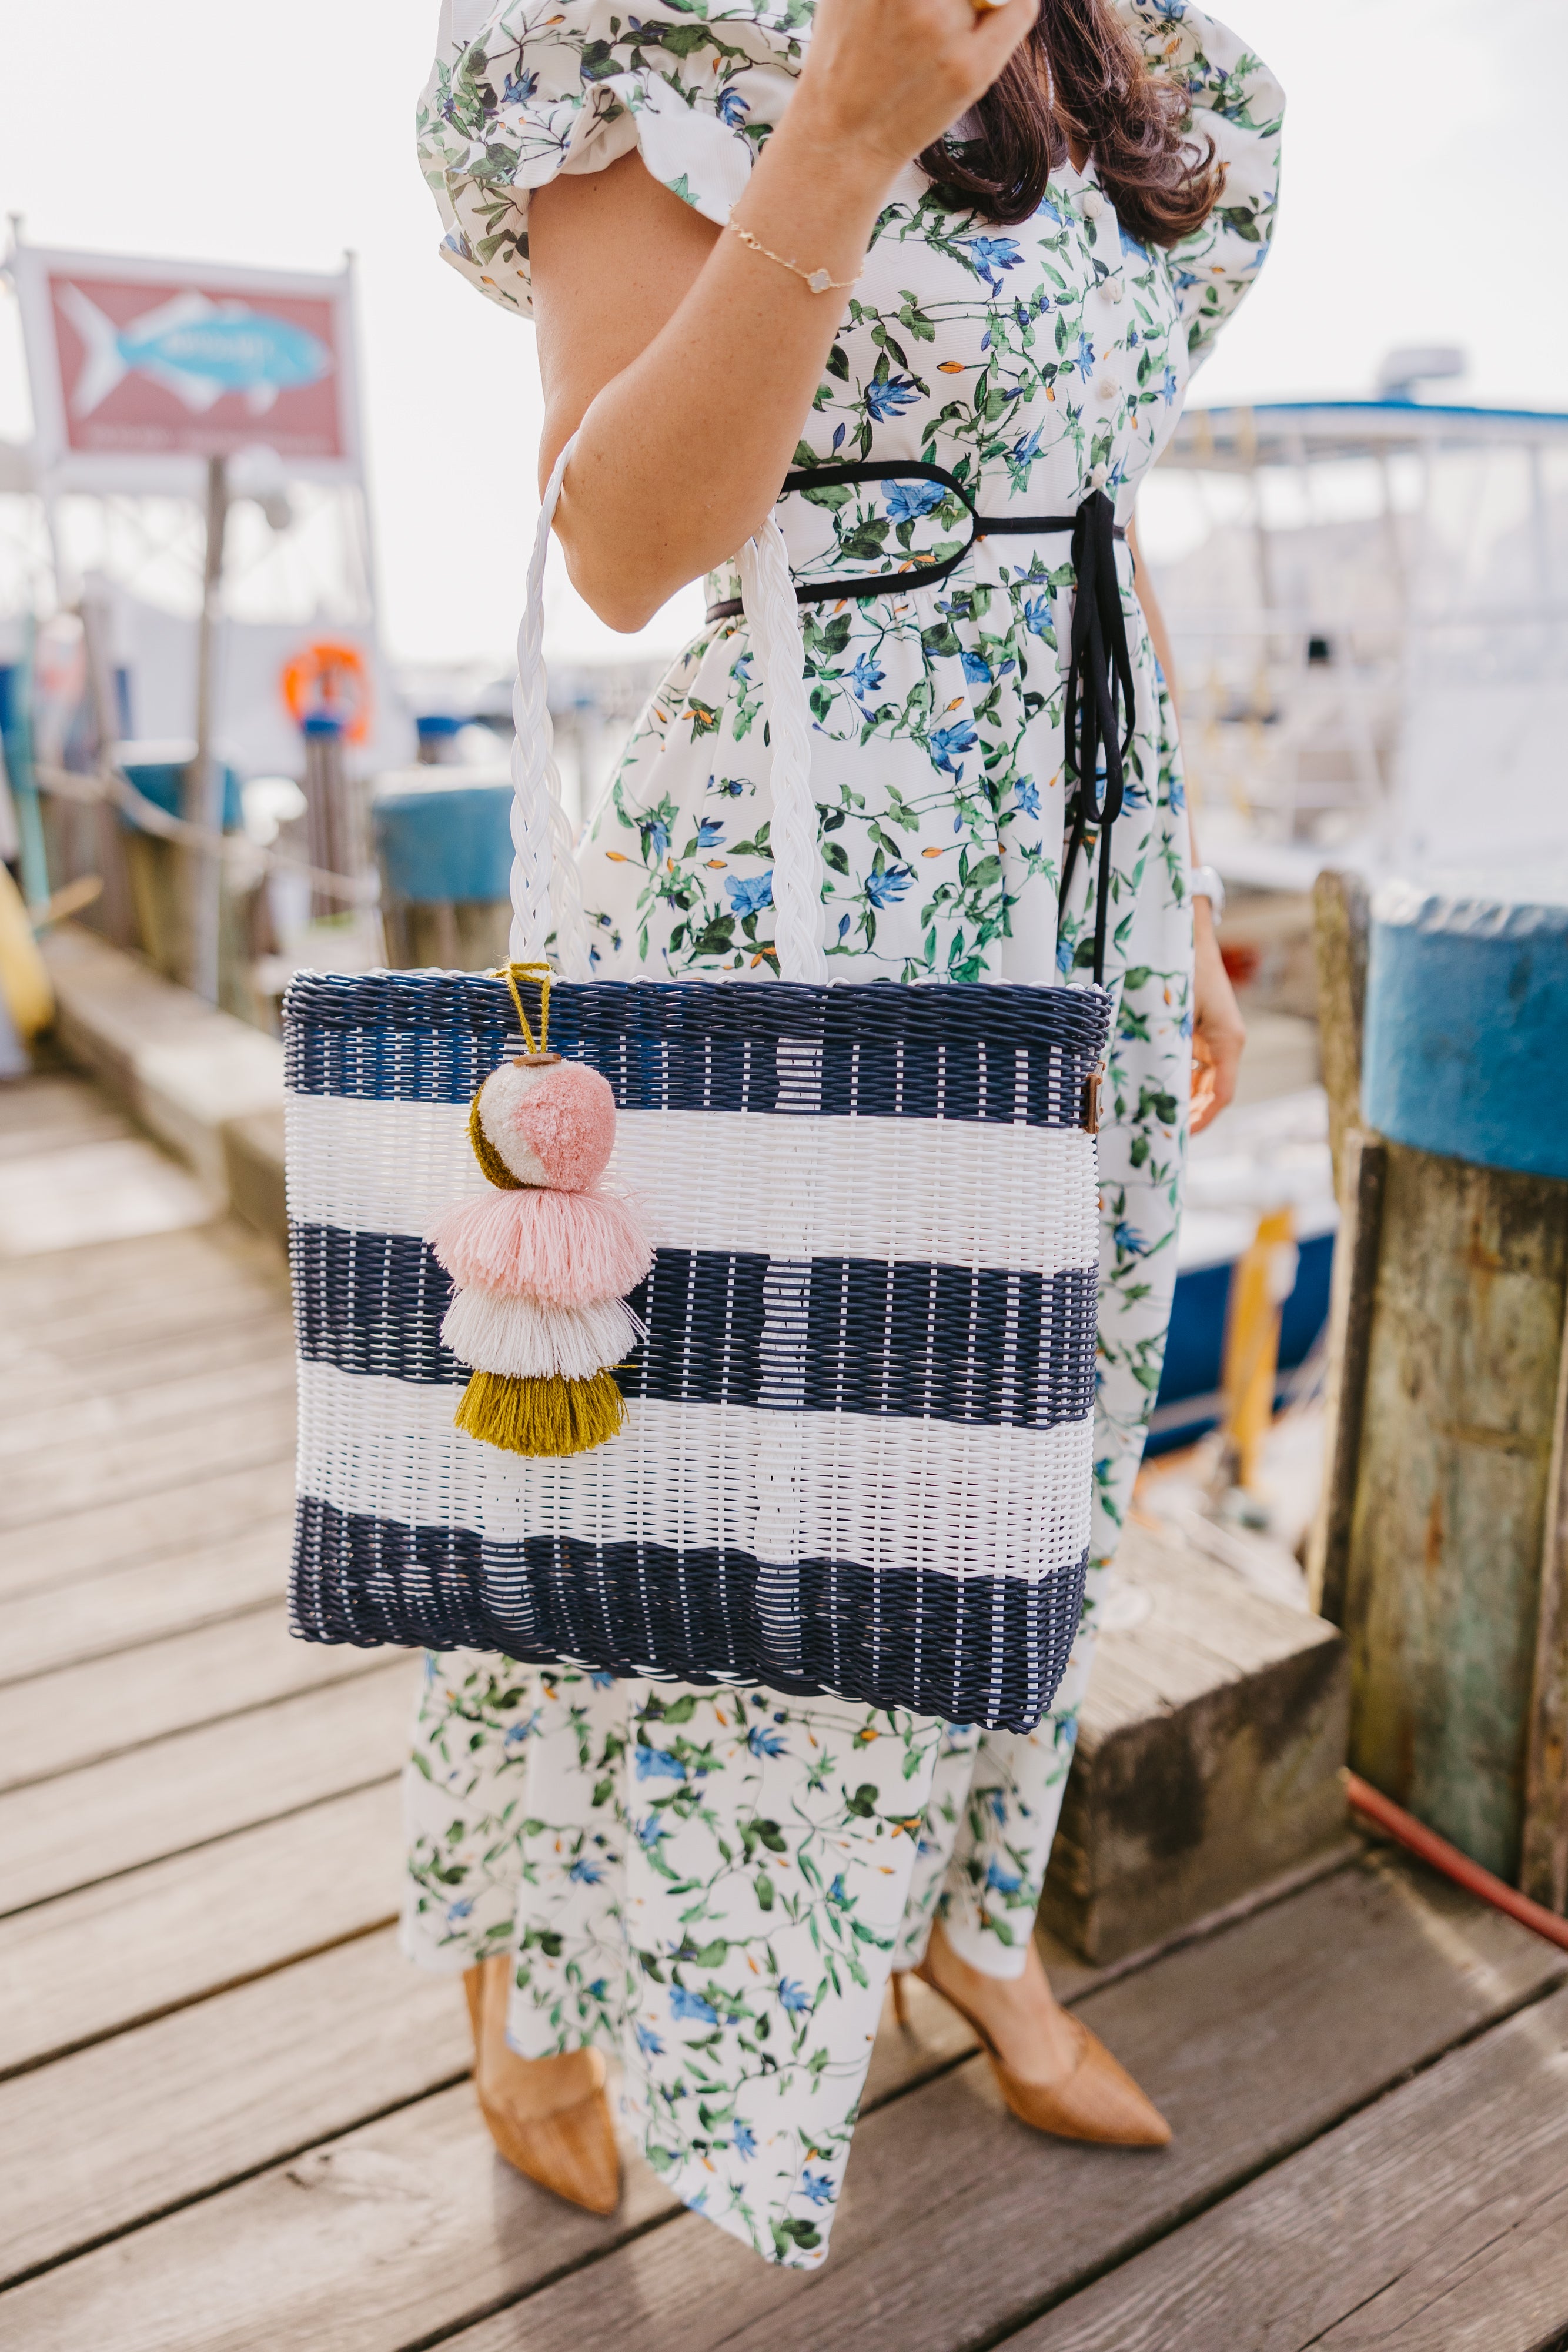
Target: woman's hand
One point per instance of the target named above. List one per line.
(1219, 1032)
(885, 77)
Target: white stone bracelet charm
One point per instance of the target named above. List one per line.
(817, 281)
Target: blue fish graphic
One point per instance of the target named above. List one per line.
(195, 349)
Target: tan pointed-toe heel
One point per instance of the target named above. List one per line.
(540, 2117)
(1096, 2099)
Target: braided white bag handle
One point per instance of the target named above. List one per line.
(547, 889)
(768, 593)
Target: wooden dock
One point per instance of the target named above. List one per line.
(232, 2120)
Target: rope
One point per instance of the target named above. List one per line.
(547, 890)
(510, 973)
(770, 597)
(105, 784)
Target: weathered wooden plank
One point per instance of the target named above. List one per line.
(68, 1327)
(188, 1403)
(1438, 2219)
(203, 1511)
(95, 1962)
(122, 1469)
(46, 1373)
(487, 2234)
(957, 2222)
(1352, 1291)
(62, 1626)
(199, 1785)
(376, 2240)
(199, 1256)
(102, 2139)
(40, 1114)
(1443, 1585)
(62, 1722)
(93, 1192)
(1543, 1874)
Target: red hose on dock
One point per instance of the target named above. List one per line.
(1397, 1824)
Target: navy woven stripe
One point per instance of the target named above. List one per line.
(370, 1303)
(935, 1342)
(972, 1650)
(371, 1581)
(881, 1051)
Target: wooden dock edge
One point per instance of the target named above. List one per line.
(207, 1086)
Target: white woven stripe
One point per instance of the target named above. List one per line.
(881, 1493)
(773, 615)
(547, 889)
(924, 1191)
(387, 1449)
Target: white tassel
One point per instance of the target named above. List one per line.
(522, 1339)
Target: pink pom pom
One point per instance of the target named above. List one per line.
(567, 1248)
(568, 1122)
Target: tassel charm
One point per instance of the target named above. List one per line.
(543, 1263)
(550, 1416)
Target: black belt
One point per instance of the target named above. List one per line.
(1100, 666)
(917, 576)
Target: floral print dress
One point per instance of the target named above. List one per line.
(713, 1885)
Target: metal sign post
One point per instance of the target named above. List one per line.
(203, 793)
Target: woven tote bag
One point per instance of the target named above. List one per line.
(857, 1456)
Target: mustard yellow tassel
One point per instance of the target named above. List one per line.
(541, 1417)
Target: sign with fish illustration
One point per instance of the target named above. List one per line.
(134, 363)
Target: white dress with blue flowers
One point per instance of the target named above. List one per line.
(714, 1884)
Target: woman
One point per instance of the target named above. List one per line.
(754, 247)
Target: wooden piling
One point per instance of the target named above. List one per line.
(1543, 1875)
(1443, 1568)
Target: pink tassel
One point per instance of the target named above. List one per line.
(568, 1248)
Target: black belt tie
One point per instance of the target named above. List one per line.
(1099, 669)
(1100, 666)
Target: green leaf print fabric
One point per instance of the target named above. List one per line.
(713, 1885)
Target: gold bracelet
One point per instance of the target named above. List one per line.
(817, 280)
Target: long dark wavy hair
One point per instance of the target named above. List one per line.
(1163, 183)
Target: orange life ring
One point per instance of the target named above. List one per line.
(329, 680)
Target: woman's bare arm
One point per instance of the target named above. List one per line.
(686, 363)
(1219, 1032)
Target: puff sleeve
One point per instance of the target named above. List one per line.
(522, 91)
(1237, 101)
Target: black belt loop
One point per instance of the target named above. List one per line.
(1099, 665)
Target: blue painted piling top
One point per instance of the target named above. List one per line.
(451, 841)
(161, 778)
(1467, 1019)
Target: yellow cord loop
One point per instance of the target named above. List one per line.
(511, 974)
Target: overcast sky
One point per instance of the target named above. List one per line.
(1422, 203)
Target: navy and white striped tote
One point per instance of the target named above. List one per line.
(858, 1449)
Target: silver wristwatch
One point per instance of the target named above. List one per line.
(1203, 882)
